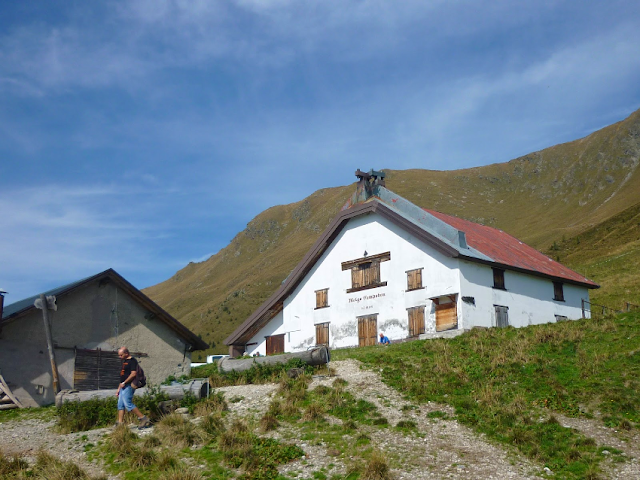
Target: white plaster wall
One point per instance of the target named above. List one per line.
(529, 298)
(375, 235)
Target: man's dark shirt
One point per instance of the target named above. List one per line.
(129, 365)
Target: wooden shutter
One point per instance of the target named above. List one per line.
(322, 334)
(367, 330)
(416, 321)
(357, 276)
(414, 279)
(322, 298)
(502, 316)
(96, 370)
(365, 272)
(446, 316)
(498, 278)
(275, 344)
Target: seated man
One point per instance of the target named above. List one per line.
(384, 340)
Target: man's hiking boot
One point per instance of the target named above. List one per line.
(144, 422)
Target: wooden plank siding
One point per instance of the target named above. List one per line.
(446, 316)
(367, 330)
(96, 370)
(322, 334)
(275, 344)
(416, 321)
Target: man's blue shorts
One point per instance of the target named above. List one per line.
(125, 399)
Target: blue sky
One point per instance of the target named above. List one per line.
(144, 134)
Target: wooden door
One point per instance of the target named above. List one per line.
(367, 330)
(96, 370)
(275, 344)
(502, 316)
(446, 316)
(416, 321)
(322, 334)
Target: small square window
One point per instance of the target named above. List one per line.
(414, 279)
(322, 298)
(558, 291)
(498, 278)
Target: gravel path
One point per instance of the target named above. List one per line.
(439, 449)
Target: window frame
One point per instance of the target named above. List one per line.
(558, 287)
(326, 298)
(498, 274)
(373, 262)
(420, 285)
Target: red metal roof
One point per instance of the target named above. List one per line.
(508, 250)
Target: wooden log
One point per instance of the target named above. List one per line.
(316, 356)
(197, 387)
(8, 406)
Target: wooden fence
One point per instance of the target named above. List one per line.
(598, 311)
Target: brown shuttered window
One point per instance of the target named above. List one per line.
(498, 278)
(96, 370)
(416, 321)
(446, 316)
(558, 291)
(414, 279)
(322, 334)
(365, 272)
(322, 298)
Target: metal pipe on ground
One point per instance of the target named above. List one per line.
(316, 356)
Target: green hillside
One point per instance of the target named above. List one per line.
(511, 384)
(560, 200)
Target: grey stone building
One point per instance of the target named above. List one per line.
(92, 319)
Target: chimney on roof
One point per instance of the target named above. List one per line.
(368, 183)
(462, 239)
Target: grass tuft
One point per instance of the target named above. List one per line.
(269, 422)
(214, 404)
(376, 468)
(178, 431)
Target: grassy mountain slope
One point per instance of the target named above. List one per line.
(548, 199)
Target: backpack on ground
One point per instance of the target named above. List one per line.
(140, 380)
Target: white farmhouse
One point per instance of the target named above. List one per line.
(385, 265)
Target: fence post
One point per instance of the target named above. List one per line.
(628, 306)
(603, 307)
(582, 301)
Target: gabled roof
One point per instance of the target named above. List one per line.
(449, 235)
(18, 309)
